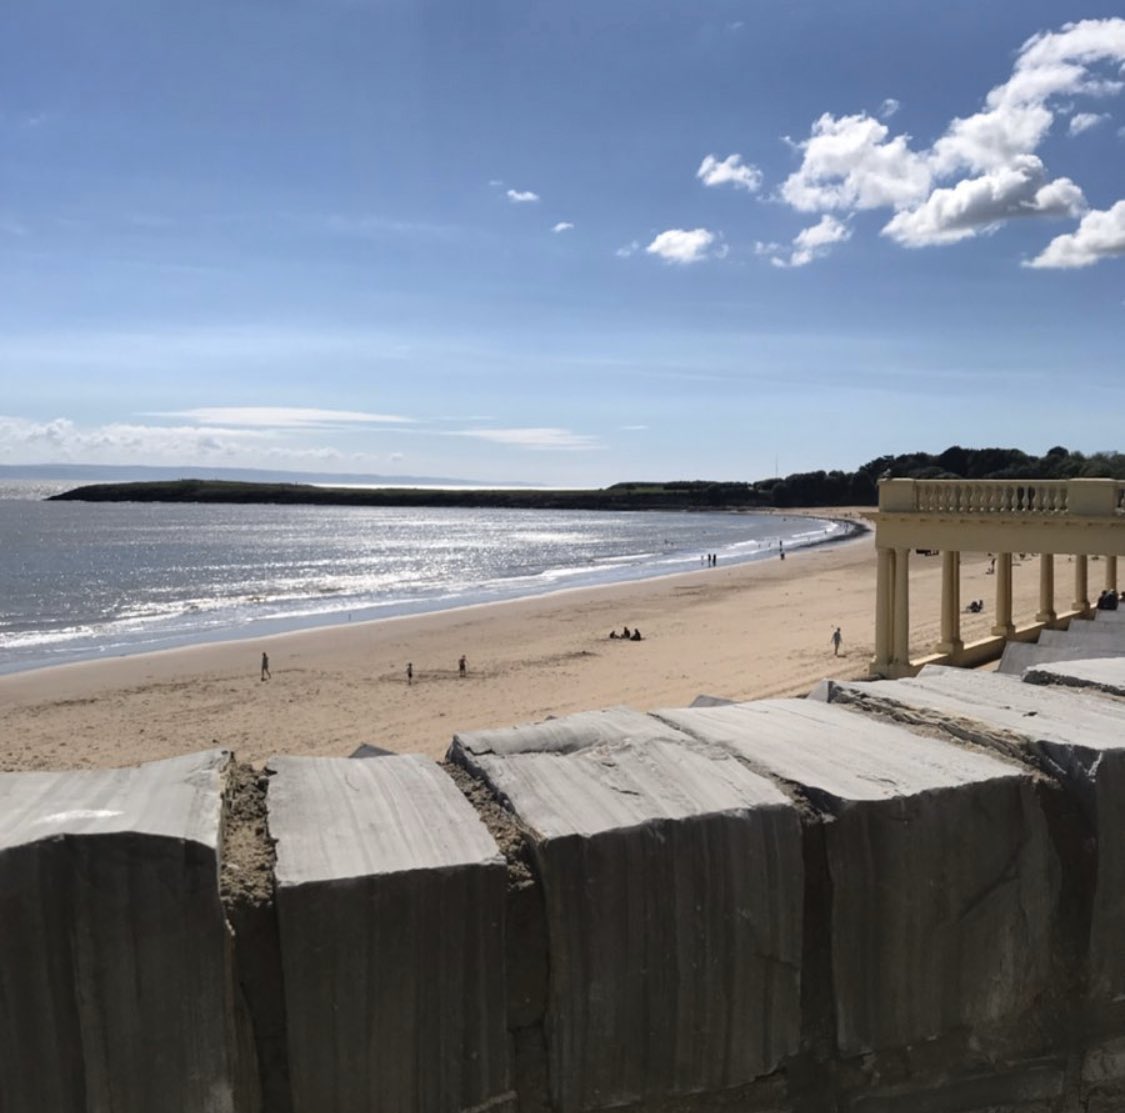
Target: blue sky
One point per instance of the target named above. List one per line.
(561, 243)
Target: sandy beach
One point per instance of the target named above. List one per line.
(743, 632)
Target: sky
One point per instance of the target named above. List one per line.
(566, 244)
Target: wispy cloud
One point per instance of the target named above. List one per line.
(888, 108)
(678, 245)
(521, 196)
(282, 417)
(627, 249)
(563, 226)
(811, 243)
(730, 171)
(533, 438)
(1084, 121)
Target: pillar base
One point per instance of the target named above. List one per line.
(1080, 605)
(1004, 631)
(1046, 616)
(950, 647)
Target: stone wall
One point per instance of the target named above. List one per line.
(902, 895)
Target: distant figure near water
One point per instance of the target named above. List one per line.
(837, 639)
(462, 665)
(409, 672)
(265, 667)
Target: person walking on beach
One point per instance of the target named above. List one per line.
(837, 638)
(462, 666)
(265, 667)
(409, 672)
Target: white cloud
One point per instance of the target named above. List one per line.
(1084, 121)
(731, 171)
(1100, 235)
(679, 246)
(534, 438)
(888, 108)
(974, 204)
(983, 169)
(281, 417)
(563, 226)
(850, 163)
(811, 243)
(521, 196)
(625, 250)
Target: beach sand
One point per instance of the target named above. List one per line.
(743, 632)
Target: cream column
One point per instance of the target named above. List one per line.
(1111, 573)
(1004, 627)
(900, 653)
(884, 606)
(1081, 584)
(950, 603)
(1046, 588)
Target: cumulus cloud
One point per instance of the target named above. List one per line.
(533, 438)
(521, 196)
(731, 171)
(973, 204)
(888, 108)
(563, 226)
(677, 245)
(1100, 235)
(278, 417)
(983, 169)
(1084, 121)
(812, 242)
(849, 162)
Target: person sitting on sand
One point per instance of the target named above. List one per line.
(613, 634)
(636, 636)
(625, 633)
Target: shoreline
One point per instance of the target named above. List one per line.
(757, 630)
(283, 625)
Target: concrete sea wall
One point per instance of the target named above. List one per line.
(900, 895)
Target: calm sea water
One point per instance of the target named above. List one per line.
(84, 580)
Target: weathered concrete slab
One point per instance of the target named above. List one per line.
(390, 897)
(1104, 675)
(672, 878)
(1078, 737)
(1019, 656)
(1110, 618)
(114, 984)
(943, 879)
(561, 736)
(1085, 633)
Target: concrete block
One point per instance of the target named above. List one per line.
(1100, 675)
(115, 990)
(1085, 633)
(672, 879)
(390, 896)
(943, 879)
(1019, 656)
(1078, 737)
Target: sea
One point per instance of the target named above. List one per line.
(81, 581)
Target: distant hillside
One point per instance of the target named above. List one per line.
(818, 488)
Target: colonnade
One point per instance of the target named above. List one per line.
(892, 602)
